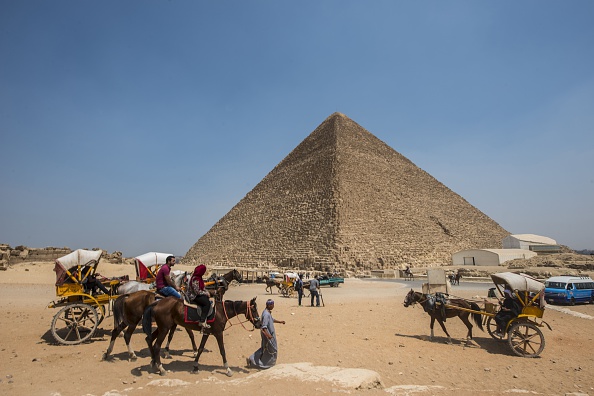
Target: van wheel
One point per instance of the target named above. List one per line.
(572, 301)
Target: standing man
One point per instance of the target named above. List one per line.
(314, 286)
(299, 287)
(265, 356)
(165, 284)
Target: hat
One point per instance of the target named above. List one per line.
(270, 302)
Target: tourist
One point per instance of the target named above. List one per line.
(198, 294)
(165, 285)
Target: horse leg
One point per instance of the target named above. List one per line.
(127, 337)
(219, 337)
(469, 340)
(114, 334)
(200, 350)
(157, 351)
(194, 347)
(444, 330)
(431, 326)
(166, 354)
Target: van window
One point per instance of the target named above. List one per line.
(556, 285)
(569, 286)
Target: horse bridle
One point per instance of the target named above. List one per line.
(248, 315)
(413, 302)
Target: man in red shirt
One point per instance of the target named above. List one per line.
(165, 285)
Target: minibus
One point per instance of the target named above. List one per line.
(569, 289)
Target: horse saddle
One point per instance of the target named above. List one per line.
(437, 303)
(193, 312)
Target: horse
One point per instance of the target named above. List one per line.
(169, 312)
(127, 312)
(177, 276)
(455, 279)
(270, 283)
(437, 314)
(221, 283)
(128, 309)
(408, 275)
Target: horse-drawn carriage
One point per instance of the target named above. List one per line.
(82, 309)
(521, 332)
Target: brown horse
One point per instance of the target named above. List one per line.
(271, 282)
(128, 309)
(169, 312)
(436, 313)
(127, 313)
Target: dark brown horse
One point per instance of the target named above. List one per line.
(437, 313)
(127, 313)
(271, 282)
(169, 312)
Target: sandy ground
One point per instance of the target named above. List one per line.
(364, 341)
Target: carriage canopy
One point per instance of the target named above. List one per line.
(64, 266)
(148, 264)
(521, 282)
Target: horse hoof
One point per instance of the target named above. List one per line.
(105, 357)
(168, 356)
(132, 358)
(195, 370)
(229, 373)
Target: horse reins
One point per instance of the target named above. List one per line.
(248, 314)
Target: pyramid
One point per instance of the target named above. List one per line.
(345, 199)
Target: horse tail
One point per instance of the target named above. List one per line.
(118, 310)
(478, 318)
(147, 319)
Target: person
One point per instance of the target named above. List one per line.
(299, 288)
(92, 284)
(165, 284)
(314, 286)
(198, 294)
(510, 308)
(265, 356)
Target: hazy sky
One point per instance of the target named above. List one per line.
(136, 125)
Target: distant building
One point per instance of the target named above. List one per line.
(535, 243)
(489, 257)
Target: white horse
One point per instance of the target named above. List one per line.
(177, 276)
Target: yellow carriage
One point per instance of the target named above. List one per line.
(81, 309)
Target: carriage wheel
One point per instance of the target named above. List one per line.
(290, 291)
(492, 328)
(526, 340)
(75, 323)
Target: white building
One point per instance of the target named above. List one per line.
(524, 241)
(532, 242)
(489, 257)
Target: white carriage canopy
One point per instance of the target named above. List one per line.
(147, 264)
(79, 257)
(521, 282)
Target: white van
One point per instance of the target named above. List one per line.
(569, 289)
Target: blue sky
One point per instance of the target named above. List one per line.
(136, 125)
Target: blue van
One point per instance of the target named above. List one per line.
(569, 289)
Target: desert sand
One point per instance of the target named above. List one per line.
(363, 341)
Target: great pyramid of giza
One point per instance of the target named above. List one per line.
(343, 198)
